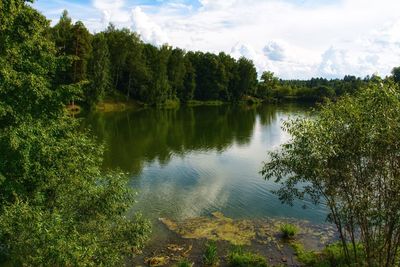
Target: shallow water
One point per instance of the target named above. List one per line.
(190, 162)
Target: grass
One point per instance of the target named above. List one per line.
(239, 258)
(288, 230)
(210, 257)
(331, 255)
(184, 263)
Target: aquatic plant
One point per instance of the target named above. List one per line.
(210, 256)
(184, 263)
(288, 230)
(239, 258)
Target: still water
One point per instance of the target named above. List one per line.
(189, 162)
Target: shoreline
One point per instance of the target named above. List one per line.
(186, 239)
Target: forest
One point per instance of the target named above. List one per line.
(116, 63)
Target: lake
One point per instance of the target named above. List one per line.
(190, 162)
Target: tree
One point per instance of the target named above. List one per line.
(189, 83)
(82, 49)
(57, 207)
(176, 71)
(396, 75)
(247, 78)
(324, 91)
(99, 71)
(348, 158)
(118, 41)
(158, 88)
(269, 85)
(62, 35)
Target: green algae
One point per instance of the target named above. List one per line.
(218, 227)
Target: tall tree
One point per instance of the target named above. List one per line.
(117, 41)
(189, 82)
(62, 35)
(99, 71)
(176, 71)
(82, 48)
(247, 78)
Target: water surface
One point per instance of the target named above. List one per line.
(189, 162)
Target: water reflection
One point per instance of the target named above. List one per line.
(192, 161)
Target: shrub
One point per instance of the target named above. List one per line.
(239, 258)
(347, 157)
(210, 254)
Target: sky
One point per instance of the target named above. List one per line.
(296, 39)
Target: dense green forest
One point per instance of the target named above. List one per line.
(116, 62)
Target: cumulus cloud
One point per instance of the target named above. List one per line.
(247, 51)
(292, 38)
(275, 50)
(111, 11)
(149, 31)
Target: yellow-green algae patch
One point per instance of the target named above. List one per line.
(218, 227)
(243, 232)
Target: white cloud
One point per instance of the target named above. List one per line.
(149, 31)
(111, 11)
(275, 50)
(295, 39)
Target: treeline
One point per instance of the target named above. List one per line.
(116, 61)
(315, 89)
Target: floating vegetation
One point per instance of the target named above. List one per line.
(244, 232)
(219, 227)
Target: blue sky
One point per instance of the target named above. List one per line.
(293, 38)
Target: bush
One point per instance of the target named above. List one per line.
(210, 254)
(288, 230)
(239, 258)
(347, 157)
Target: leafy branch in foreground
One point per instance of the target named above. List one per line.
(57, 208)
(348, 157)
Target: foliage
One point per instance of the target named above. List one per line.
(99, 71)
(288, 230)
(331, 255)
(57, 207)
(347, 157)
(210, 257)
(239, 258)
(396, 75)
(116, 61)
